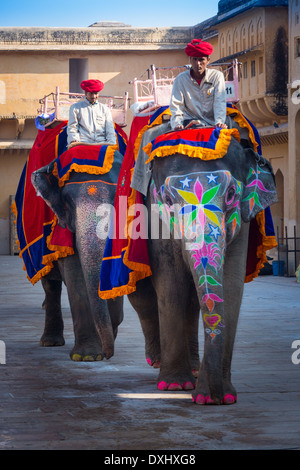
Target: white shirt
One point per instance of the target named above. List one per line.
(205, 102)
(90, 123)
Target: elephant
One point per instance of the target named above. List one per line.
(207, 205)
(80, 204)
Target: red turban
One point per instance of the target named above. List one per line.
(93, 86)
(198, 48)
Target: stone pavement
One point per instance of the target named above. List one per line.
(48, 402)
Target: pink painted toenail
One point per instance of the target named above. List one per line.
(188, 386)
(209, 401)
(175, 386)
(200, 400)
(149, 361)
(162, 386)
(229, 399)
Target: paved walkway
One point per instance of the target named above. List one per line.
(49, 402)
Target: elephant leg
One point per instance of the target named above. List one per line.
(87, 345)
(192, 329)
(54, 325)
(234, 277)
(171, 281)
(144, 302)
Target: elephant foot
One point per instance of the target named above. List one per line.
(87, 353)
(88, 358)
(49, 340)
(154, 364)
(228, 399)
(174, 387)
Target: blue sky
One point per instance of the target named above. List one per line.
(78, 13)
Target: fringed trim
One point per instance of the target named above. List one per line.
(59, 250)
(90, 169)
(195, 152)
(240, 119)
(43, 272)
(15, 212)
(134, 277)
(140, 268)
(268, 242)
(156, 122)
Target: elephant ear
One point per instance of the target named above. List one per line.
(46, 186)
(259, 191)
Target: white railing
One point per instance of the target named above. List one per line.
(157, 87)
(59, 103)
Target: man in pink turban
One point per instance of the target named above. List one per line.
(90, 121)
(198, 94)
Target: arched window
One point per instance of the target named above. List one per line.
(243, 38)
(222, 45)
(259, 31)
(229, 43)
(235, 40)
(251, 35)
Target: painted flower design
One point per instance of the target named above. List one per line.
(210, 299)
(206, 254)
(92, 190)
(200, 204)
(257, 186)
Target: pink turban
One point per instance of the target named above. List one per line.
(198, 48)
(93, 86)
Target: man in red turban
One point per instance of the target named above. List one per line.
(198, 95)
(92, 86)
(89, 120)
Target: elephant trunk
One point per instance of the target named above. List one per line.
(207, 265)
(90, 249)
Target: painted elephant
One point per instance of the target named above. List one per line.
(200, 265)
(82, 206)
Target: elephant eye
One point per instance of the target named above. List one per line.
(230, 195)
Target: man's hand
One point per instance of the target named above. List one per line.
(179, 127)
(220, 124)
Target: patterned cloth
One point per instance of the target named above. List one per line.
(205, 143)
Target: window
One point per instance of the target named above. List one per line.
(222, 43)
(229, 43)
(235, 41)
(245, 70)
(297, 47)
(253, 71)
(251, 35)
(78, 71)
(260, 31)
(260, 65)
(243, 38)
